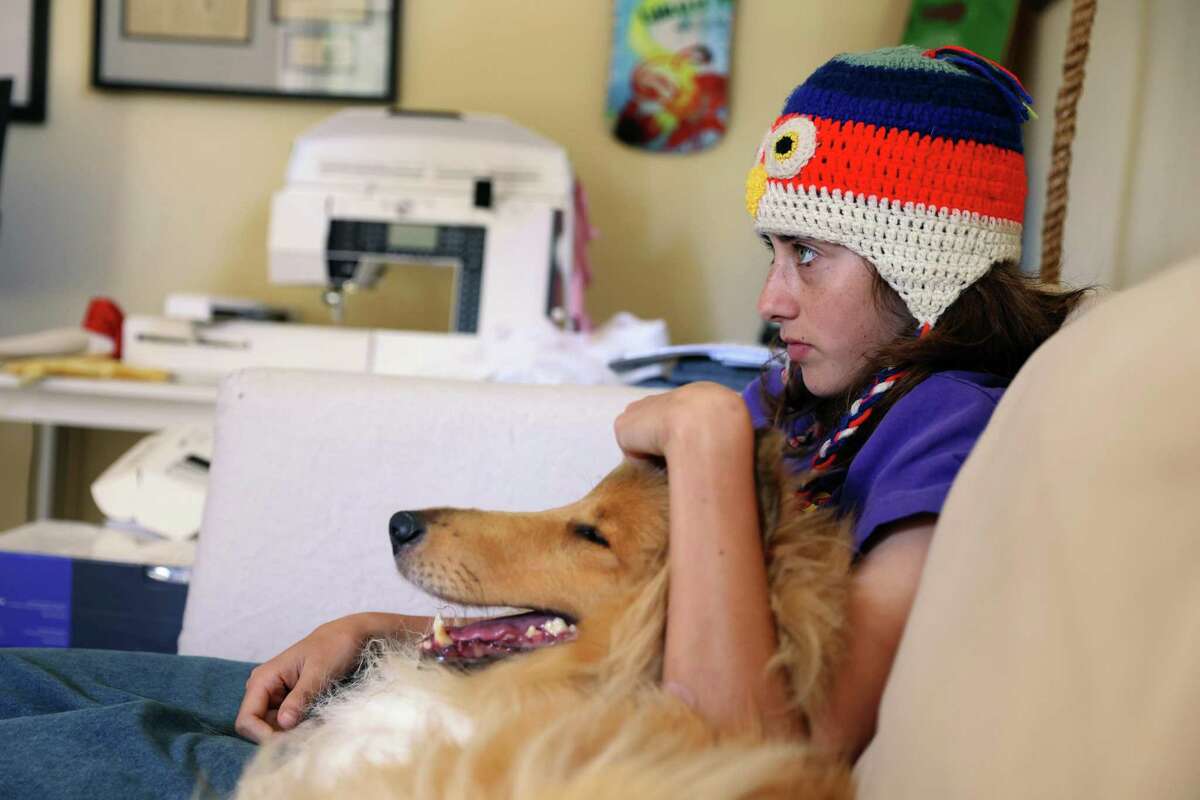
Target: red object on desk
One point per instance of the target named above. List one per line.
(105, 317)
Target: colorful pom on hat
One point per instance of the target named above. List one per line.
(910, 158)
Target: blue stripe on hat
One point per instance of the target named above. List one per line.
(947, 105)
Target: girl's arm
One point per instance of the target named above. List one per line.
(279, 691)
(881, 596)
(720, 633)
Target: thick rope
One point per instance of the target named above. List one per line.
(1083, 12)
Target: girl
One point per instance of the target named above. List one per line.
(890, 195)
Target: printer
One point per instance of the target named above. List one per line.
(369, 190)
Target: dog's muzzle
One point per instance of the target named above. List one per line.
(405, 527)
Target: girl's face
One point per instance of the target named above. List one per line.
(823, 297)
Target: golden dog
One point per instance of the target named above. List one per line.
(580, 712)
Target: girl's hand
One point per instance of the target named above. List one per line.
(279, 691)
(693, 415)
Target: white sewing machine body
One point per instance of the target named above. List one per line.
(370, 189)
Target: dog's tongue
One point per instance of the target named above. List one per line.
(493, 638)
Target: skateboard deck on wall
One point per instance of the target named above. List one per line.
(669, 76)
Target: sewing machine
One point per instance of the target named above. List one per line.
(369, 190)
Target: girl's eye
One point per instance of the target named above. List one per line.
(804, 253)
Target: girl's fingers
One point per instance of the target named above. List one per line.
(251, 717)
(291, 711)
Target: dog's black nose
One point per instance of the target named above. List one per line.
(405, 527)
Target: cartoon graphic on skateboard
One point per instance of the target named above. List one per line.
(668, 85)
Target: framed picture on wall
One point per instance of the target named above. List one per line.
(343, 50)
(24, 46)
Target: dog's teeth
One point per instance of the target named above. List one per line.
(439, 632)
(530, 632)
(554, 627)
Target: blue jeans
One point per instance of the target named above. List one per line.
(107, 724)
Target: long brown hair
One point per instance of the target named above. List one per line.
(994, 326)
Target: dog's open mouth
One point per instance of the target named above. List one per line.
(490, 639)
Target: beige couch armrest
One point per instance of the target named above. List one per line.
(1054, 648)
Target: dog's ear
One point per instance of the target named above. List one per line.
(771, 477)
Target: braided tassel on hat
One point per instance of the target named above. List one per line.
(826, 457)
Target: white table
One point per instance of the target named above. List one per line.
(105, 404)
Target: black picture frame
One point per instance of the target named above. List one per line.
(33, 108)
(264, 24)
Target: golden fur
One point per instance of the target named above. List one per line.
(587, 718)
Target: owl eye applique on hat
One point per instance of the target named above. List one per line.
(787, 147)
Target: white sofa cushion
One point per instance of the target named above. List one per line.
(1054, 647)
(308, 468)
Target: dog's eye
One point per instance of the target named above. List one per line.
(590, 533)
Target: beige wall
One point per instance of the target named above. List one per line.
(16, 450)
(1131, 209)
(136, 195)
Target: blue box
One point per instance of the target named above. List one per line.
(59, 601)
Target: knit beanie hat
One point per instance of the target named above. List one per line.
(910, 158)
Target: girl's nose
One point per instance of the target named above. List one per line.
(776, 301)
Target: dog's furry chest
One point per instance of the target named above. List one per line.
(380, 721)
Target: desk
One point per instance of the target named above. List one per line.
(106, 404)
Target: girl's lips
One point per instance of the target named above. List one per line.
(798, 350)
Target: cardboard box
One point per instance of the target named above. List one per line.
(65, 584)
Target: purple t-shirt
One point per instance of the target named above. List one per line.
(912, 457)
